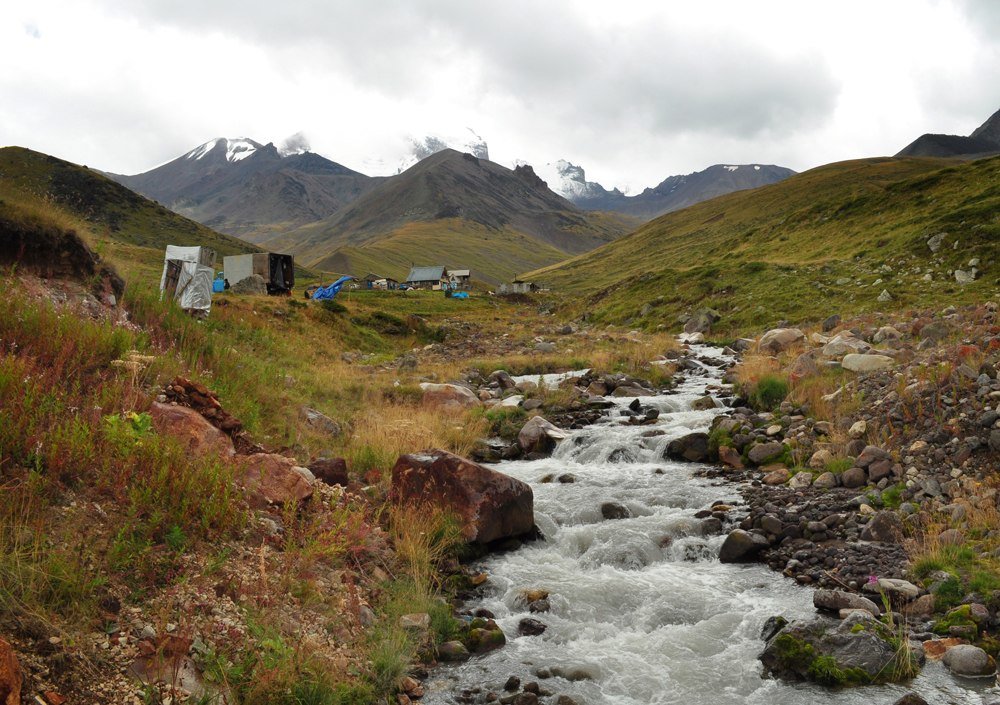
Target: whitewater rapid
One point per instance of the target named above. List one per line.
(642, 611)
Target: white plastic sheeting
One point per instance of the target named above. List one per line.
(194, 286)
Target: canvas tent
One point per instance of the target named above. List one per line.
(187, 277)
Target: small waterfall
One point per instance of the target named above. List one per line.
(641, 610)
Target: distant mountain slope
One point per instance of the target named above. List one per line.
(673, 193)
(983, 141)
(827, 241)
(467, 197)
(250, 190)
(35, 180)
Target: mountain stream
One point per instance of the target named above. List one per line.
(642, 611)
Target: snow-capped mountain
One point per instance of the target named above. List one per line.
(673, 193)
(251, 190)
(231, 150)
(568, 180)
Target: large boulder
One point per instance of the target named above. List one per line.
(692, 447)
(778, 340)
(836, 600)
(450, 397)
(857, 651)
(489, 504)
(843, 343)
(194, 432)
(10, 675)
(539, 436)
(273, 479)
(701, 321)
(856, 362)
(970, 661)
(885, 527)
(741, 546)
(763, 452)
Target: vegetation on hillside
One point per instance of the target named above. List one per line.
(825, 241)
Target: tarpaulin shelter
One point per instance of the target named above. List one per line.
(328, 292)
(187, 277)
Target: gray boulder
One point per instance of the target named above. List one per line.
(856, 362)
(763, 452)
(836, 600)
(780, 339)
(741, 546)
(539, 436)
(693, 447)
(970, 661)
(884, 527)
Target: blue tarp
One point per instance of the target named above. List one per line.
(328, 292)
(460, 295)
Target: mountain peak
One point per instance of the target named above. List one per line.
(989, 130)
(229, 149)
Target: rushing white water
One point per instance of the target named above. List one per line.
(642, 611)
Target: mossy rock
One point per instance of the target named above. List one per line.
(481, 641)
(858, 651)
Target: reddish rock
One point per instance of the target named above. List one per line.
(197, 435)
(450, 397)
(730, 457)
(332, 471)
(489, 504)
(10, 675)
(272, 479)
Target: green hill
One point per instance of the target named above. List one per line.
(827, 241)
(106, 212)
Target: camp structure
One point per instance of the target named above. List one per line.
(518, 286)
(187, 277)
(277, 271)
(377, 281)
(428, 277)
(460, 278)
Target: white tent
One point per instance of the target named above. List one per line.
(193, 273)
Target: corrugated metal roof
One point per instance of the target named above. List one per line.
(461, 272)
(425, 274)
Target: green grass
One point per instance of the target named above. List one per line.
(777, 252)
(768, 392)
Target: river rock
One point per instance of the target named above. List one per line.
(826, 480)
(703, 403)
(853, 478)
(910, 699)
(778, 476)
(490, 505)
(836, 600)
(730, 457)
(884, 527)
(801, 480)
(449, 397)
(858, 654)
(701, 321)
(741, 546)
(764, 452)
(866, 363)
(869, 455)
(778, 340)
(539, 435)
(453, 651)
(530, 627)
(614, 510)
(820, 458)
(692, 447)
(194, 432)
(970, 661)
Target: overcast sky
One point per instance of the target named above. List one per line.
(633, 91)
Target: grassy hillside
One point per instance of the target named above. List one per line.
(826, 241)
(492, 255)
(34, 181)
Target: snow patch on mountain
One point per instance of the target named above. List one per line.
(235, 149)
(566, 179)
(731, 168)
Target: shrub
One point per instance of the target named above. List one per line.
(768, 392)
